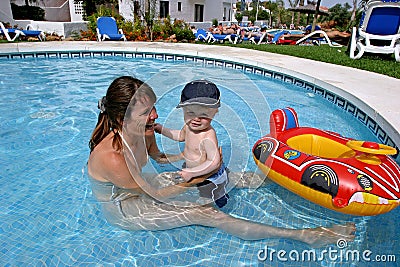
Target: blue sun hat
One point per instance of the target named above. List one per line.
(200, 92)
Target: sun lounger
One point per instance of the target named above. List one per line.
(107, 29)
(202, 35)
(316, 37)
(232, 38)
(258, 39)
(277, 36)
(379, 30)
(16, 33)
(34, 33)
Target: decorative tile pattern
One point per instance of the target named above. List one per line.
(344, 104)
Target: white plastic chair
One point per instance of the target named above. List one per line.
(379, 31)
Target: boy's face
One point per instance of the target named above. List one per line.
(198, 117)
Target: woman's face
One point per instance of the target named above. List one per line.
(150, 121)
(141, 115)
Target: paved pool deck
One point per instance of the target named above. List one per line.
(377, 95)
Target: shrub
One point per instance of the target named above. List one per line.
(168, 28)
(138, 32)
(87, 35)
(184, 34)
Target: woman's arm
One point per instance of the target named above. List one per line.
(112, 167)
(163, 158)
(130, 178)
(155, 153)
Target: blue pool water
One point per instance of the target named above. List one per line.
(48, 108)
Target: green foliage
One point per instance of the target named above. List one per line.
(214, 22)
(149, 16)
(356, 22)
(263, 15)
(27, 12)
(181, 30)
(340, 15)
(92, 22)
(90, 8)
(168, 27)
(239, 17)
(238, 5)
(138, 30)
(183, 34)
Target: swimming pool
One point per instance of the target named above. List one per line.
(49, 216)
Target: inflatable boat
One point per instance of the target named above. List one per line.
(336, 172)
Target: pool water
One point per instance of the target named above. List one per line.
(48, 109)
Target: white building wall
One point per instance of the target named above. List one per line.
(126, 9)
(175, 14)
(187, 12)
(5, 12)
(213, 9)
(58, 13)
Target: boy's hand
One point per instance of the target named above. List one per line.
(187, 176)
(158, 128)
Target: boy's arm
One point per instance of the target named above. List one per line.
(177, 135)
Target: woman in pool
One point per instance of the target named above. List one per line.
(130, 202)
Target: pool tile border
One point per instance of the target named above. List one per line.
(335, 99)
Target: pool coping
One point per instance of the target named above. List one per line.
(373, 93)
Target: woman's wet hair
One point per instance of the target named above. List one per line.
(113, 107)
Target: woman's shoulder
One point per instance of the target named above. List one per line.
(104, 160)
